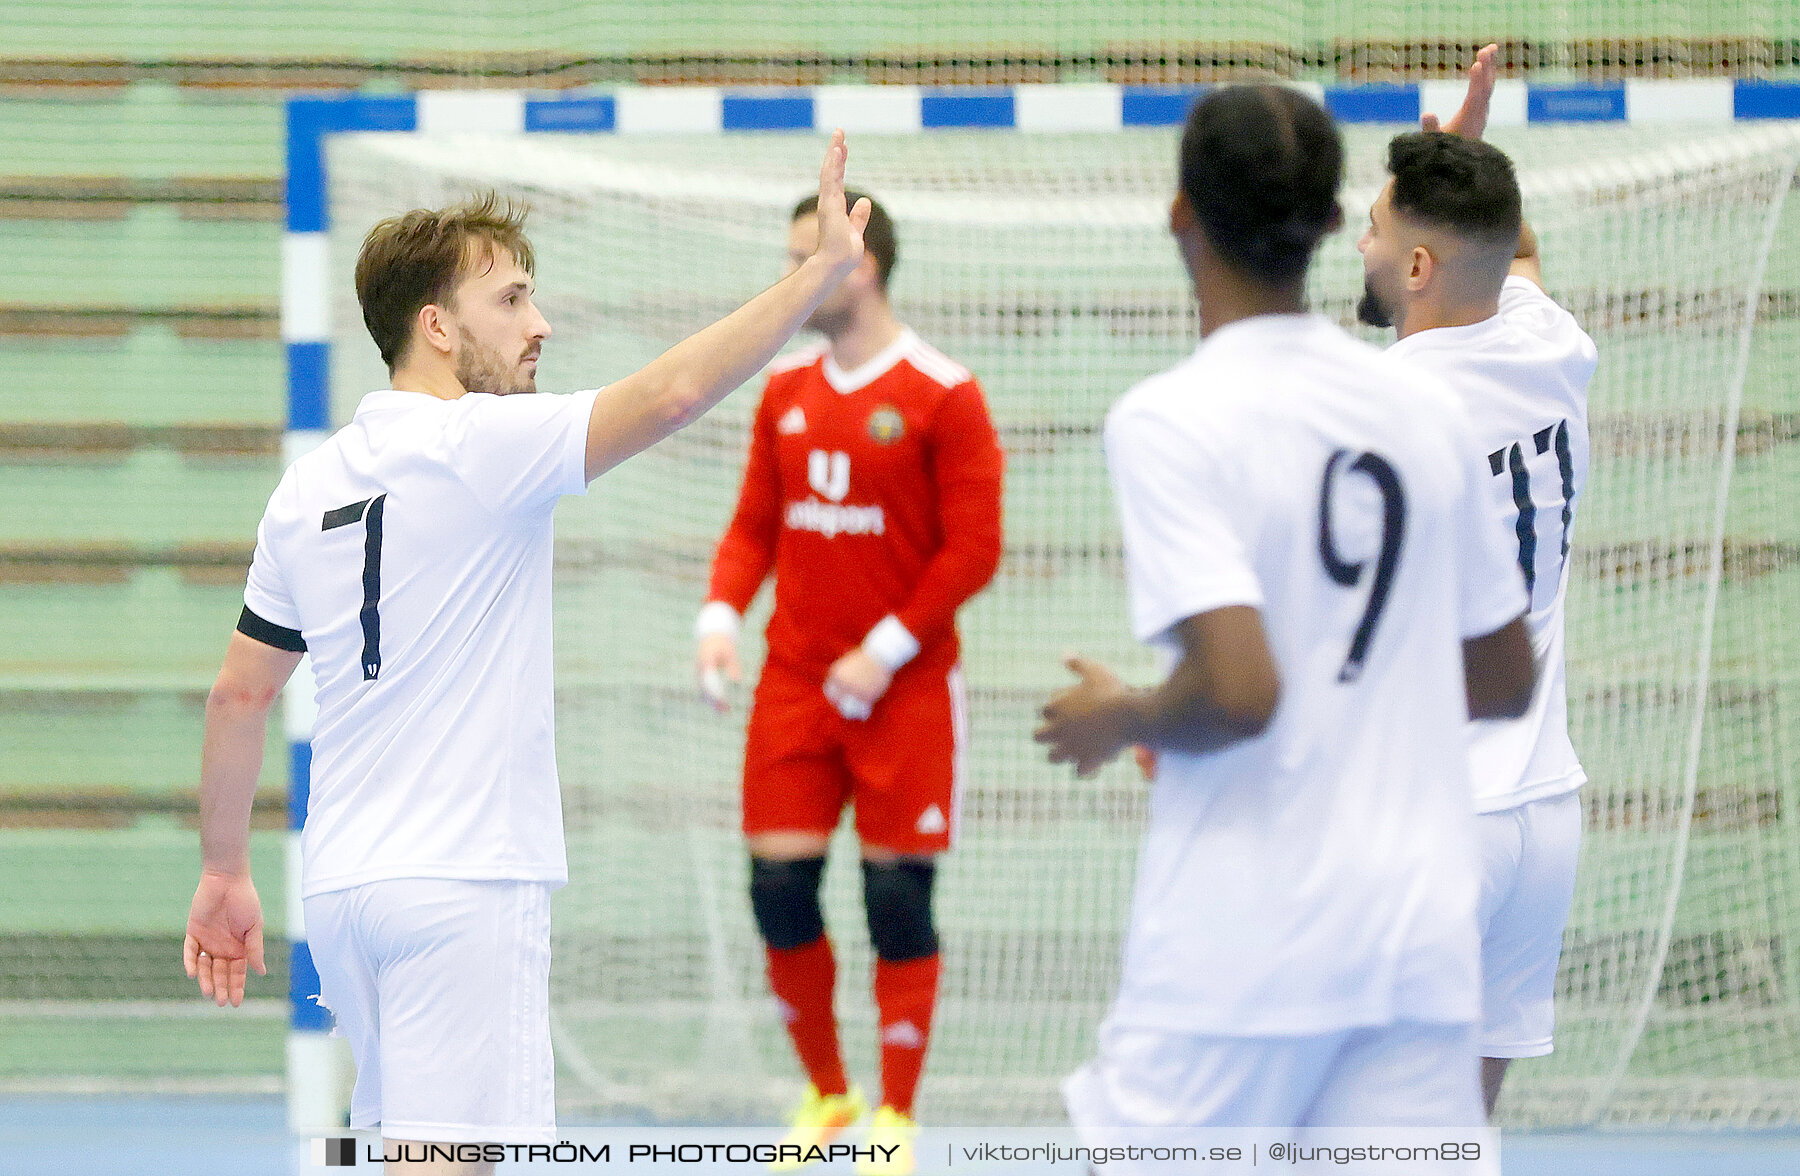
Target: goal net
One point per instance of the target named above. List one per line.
(1042, 262)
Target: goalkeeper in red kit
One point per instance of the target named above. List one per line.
(872, 492)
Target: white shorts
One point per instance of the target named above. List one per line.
(1528, 859)
(443, 988)
(1162, 1089)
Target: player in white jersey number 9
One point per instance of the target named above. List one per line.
(1301, 951)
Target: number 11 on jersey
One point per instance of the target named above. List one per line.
(1511, 459)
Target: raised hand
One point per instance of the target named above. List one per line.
(1471, 118)
(840, 229)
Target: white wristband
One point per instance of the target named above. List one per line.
(717, 618)
(890, 643)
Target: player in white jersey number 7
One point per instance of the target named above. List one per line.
(1449, 263)
(411, 555)
(1295, 505)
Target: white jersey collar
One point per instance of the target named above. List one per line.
(1266, 324)
(391, 398)
(873, 369)
(1458, 335)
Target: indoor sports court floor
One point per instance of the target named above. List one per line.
(118, 1136)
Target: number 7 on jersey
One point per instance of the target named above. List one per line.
(368, 512)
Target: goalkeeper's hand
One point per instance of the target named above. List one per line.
(855, 683)
(717, 664)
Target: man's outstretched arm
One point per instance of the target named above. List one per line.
(682, 383)
(224, 927)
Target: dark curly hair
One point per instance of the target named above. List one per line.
(1260, 166)
(1454, 183)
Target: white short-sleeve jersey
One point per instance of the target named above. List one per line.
(1321, 875)
(412, 552)
(1522, 376)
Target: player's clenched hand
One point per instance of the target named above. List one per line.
(840, 228)
(224, 936)
(1090, 722)
(1470, 120)
(716, 663)
(855, 683)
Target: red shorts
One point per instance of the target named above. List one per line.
(902, 766)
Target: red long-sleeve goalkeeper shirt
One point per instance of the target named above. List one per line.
(868, 493)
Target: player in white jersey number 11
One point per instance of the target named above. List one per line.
(1449, 263)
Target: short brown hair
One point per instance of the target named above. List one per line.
(415, 260)
(878, 238)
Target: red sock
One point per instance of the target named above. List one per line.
(905, 995)
(802, 979)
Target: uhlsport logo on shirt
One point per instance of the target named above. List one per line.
(793, 421)
(828, 473)
(334, 1153)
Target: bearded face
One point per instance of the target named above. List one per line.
(484, 368)
(499, 331)
(1373, 310)
(1384, 260)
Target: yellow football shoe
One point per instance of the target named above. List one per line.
(891, 1142)
(817, 1121)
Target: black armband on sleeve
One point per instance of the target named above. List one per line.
(257, 629)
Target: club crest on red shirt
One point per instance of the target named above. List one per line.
(886, 425)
